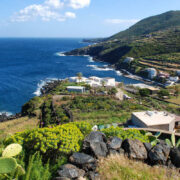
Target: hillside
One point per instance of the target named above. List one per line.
(155, 36)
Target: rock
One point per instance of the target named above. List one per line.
(95, 143)
(99, 149)
(94, 176)
(61, 178)
(121, 151)
(148, 146)
(115, 143)
(175, 157)
(81, 158)
(159, 154)
(70, 171)
(89, 167)
(135, 149)
(113, 152)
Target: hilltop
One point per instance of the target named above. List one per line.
(148, 39)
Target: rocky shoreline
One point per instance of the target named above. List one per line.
(97, 145)
(4, 117)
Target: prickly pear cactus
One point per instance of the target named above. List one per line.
(12, 150)
(7, 165)
(20, 170)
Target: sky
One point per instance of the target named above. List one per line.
(76, 18)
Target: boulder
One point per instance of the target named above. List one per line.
(115, 143)
(135, 149)
(81, 159)
(121, 151)
(113, 152)
(159, 154)
(175, 156)
(95, 143)
(70, 171)
(93, 176)
(99, 149)
(148, 146)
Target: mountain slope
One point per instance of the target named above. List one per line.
(151, 24)
(152, 36)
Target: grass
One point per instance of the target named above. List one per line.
(118, 167)
(175, 100)
(17, 125)
(102, 117)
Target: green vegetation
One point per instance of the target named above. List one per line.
(172, 142)
(126, 134)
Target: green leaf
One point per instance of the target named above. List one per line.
(158, 134)
(153, 143)
(20, 170)
(173, 139)
(12, 150)
(178, 143)
(168, 142)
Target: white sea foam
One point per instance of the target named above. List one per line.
(60, 54)
(90, 59)
(97, 68)
(41, 84)
(119, 73)
(6, 112)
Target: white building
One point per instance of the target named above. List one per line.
(78, 89)
(94, 81)
(152, 73)
(174, 79)
(154, 119)
(128, 60)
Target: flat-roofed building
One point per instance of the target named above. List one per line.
(154, 119)
(79, 89)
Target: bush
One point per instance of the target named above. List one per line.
(126, 134)
(163, 92)
(144, 92)
(84, 127)
(64, 139)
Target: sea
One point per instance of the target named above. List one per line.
(26, 64)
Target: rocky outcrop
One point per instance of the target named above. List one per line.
(96, 145)
(175, 156)
(159, 154)
(135, 149)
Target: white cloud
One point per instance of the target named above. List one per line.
(49, 10)
(121, 21)
(54, 3)
(77, 4)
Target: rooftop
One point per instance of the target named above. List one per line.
(151, 118)
(75, 87)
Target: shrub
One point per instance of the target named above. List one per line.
(84, 127)
(64, 139)
(126, 134)
(163, 92)
(144, 92)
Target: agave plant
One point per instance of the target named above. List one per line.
(172, 142)
(154, 138)
(8, 164)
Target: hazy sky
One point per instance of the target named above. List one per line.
(75, 18)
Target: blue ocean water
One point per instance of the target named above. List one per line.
(27, 63)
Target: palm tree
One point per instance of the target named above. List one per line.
(79, 75)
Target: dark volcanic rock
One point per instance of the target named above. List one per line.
(99, 149)
(113, 152)
(81, 158)
(95, 144)
(94, 176)
(175, 156)
(121, 151)
(115, 143)
(70, 171)
(148, 146)
(159, 154)
(135, 149)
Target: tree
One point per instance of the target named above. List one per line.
(112, 91)
(163, 92)
(144, 92)
(79, 75)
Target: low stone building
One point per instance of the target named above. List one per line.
(154, 120)
(79, 89)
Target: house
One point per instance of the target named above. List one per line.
(154, 119)
(77, 79)
(152, 73)
(78, 89)
(174, 79)
(128, 60)
(153, 90)
(109, 81)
